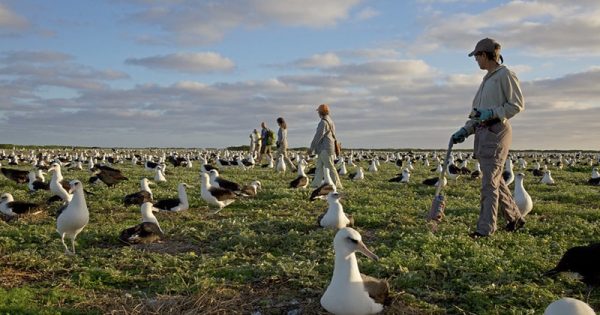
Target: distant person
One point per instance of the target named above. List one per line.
(255, 143)
(282, 142)
(323, 145)
(252, 143)
(266, 136)
(498, 99)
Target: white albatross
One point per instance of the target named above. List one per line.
(350, 292)
(522, 198)
(335, 217)
(568, 306)
(215, 196)
(74, 217)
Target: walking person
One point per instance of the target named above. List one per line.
(265, 143)
(282, 143)
(256, 143)
(498, 99)
(323, 145)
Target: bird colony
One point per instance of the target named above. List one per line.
(210, 230)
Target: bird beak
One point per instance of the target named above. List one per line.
(361, 247)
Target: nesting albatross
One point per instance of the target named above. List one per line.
(350, 292)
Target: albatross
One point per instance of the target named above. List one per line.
(335, 217)
(148, 231)
(350, 292)
(74, 217)
(138, 198)
(12, 208)
(175, 204)
(326, 187)
(215, 196)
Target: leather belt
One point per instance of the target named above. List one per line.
(491, 122)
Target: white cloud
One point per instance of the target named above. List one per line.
(203, 62)
(325, 60)
(11, 22)
(560, 28)
(380, 103)
(367, 13)
(192, 22)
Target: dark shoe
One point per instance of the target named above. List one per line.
(515, 225)
(476, 235)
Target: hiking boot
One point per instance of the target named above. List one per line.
(476, 235)
(515, 225)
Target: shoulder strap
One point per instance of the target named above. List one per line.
(330, 129)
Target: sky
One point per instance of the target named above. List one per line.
(194, 73)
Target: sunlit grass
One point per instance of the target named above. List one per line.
(266, 254)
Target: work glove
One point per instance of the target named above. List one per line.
(482, 115)
(460, 136)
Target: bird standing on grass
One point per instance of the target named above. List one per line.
(74, 217)
(521, 196)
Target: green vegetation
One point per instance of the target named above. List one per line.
(266, 254)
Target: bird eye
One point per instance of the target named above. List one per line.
(353, 240)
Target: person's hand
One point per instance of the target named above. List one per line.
(460, 136)
(482, 115)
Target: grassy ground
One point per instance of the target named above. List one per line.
(266, 254)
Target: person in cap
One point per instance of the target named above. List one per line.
(498, 99)
(323, 145)
(282, 142)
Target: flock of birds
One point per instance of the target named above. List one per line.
(349, 292)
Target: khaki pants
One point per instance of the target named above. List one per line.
(325, 160)
(491, 149)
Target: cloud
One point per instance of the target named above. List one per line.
(203, 62)
(10, 22)
(366, 14)
(557, 28)
(34, 57)
(375, 103)
(26, 73)
(325, 60)
(191, 22)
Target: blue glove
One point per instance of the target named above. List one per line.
(460, 136)
(482, 115)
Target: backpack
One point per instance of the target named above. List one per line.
(270, 137)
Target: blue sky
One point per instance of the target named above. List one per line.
(205, 73)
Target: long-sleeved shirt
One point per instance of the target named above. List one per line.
(323, 139)
(282, 138)
(500, 91)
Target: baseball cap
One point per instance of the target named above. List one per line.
(486, 44)
(323, 108)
